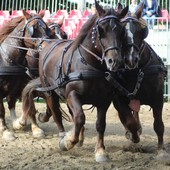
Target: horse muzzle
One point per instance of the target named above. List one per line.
(131, 62)
(134, 137)
(112, 63)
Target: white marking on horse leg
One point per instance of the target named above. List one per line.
(37, 132)
(65, 142)
(17, 125)
(8, 135)
(13, 114)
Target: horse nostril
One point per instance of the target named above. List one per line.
(128, 135)
(110, 61)
(136, 59)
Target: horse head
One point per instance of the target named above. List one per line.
(35, 30)
(136, 32)
(56, 29)
(33, 57)
(107, 35)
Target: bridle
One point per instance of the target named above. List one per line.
(30, 30)
(57, 30)
(96, 31)
(130, 44)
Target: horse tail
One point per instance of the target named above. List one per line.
(65, 115)
(28, 95)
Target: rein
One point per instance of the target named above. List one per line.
(96, 56)
(21, 48)
(28, 38)
(31, 38)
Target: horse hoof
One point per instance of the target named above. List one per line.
(38, 134)
(17, 125)
(65, 143)
(80, 143)
(128, 135)
(163, 157)
(102, 158)
(8, 135)
(140, 131)
(62, 145)
(43, 118)
(133, 138)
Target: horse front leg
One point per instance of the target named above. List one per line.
(6, 133)
(81, 135)
(130, 123)
(100, 153)
(71, 138)
(163, 156)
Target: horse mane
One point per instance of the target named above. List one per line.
(85, 30)
(9, 27)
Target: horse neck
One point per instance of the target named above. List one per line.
(17, 36)
(32, 57)
(11, 51)
(148, 56)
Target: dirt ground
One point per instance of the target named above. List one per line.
(27, 153)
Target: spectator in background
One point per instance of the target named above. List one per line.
(133, 6)
(150, 11)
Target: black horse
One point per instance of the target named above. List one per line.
(142, 85)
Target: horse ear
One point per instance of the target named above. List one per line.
(139, 10)
(26, 14)
(119, 6)
(60, 23)
(99, 9)
(124, 12)
(42, 14)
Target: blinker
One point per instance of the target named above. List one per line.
(30, 30)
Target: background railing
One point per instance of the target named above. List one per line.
(54, 5)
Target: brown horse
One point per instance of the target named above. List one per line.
(56, 28)
(32, 64)
(16, 37)
(141, 85)
(73, 69)
(32, 61)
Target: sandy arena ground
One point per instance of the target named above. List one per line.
(27, 153)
